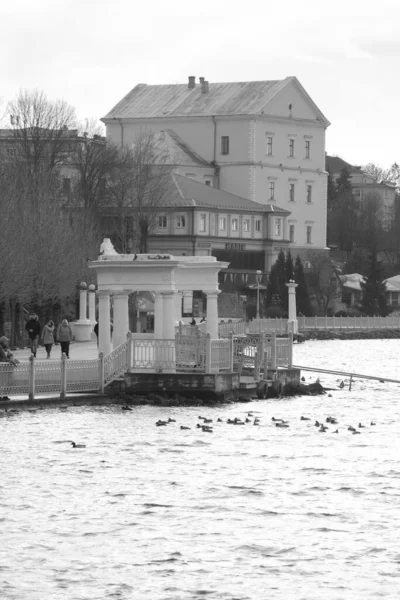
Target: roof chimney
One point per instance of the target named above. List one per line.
(204, 87)
(201, 79)
(192, 82)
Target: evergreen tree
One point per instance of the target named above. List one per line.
(273, 286)
(303, 302)
(281, 277)
(374, 300)
(289, 268)
(343, 182)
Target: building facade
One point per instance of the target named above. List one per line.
(263, 141)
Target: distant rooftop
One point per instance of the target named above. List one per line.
(204, 99)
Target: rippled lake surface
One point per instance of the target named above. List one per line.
(245, 512)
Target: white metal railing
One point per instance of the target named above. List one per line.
(237, 328)
(56, 376)
(315, 323)
(113, 365)
(262, 352)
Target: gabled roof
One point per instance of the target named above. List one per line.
(186, 192)
(393, 284)
(352, 281)
(180, 153)
(335, 164)
(235, 98)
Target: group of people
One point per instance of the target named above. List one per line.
(48, 336)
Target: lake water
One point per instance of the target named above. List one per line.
(245, 512)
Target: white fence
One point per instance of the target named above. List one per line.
(194, 353)
(313, 323)
(56, 376)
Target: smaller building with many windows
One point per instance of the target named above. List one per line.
(200, 220)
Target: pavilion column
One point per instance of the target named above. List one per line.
(105, 344)
(178, 306)
(212, 314)
(121, 318)
(169, 304)
(158, 316)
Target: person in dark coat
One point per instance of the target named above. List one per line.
(65, 336)
(33, 328)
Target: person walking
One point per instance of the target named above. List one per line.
(65, 336)
(33, 328)
(48, 337)
(96, 330)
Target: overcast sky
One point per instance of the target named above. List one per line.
(92, 52)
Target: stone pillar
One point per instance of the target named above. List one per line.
(158, 316)
(178, 306)
(169, 304)
(105, 345)
(83, 302)
(212, 314)
(92, 303)
(82, 328)
(121, 318)
(292, 320)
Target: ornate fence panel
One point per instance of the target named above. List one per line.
(83, 375)
(221, 355)
(191, 352)
(14, 380)
(150, 354)
(244, 350)
(116, 363)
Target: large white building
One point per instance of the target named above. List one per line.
(261, 140)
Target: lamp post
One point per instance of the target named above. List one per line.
(258, 276)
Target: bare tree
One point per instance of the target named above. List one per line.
(139, 190)
(93, 160)
(323, 280)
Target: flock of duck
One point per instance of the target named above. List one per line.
(206, 424)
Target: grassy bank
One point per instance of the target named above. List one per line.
(350, 334)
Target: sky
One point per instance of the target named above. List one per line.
(346, 54)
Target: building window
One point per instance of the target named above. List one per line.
(395, 298)
(246, 225)
(309, 232)
(291, 192)
(162, 222)
(269, 146)
(307, 148)
(203, 218)
(257, 225)
(291, 147)
(278, 227)
(207, 182)
(181, 221)
(225, 144)
(235, 225)
(272, 190)
(291, 233)
(309, 193)
(222, 223)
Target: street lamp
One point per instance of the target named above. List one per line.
(258, 276)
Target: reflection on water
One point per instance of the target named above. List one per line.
(244, 512)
